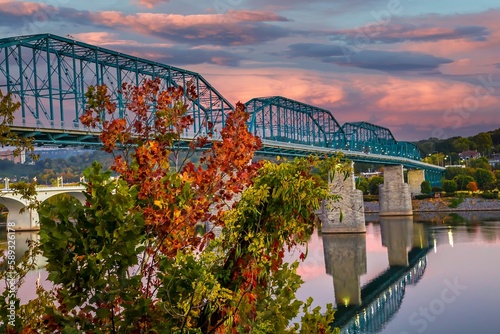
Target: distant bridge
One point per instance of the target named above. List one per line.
(51, 74)
(29, 219)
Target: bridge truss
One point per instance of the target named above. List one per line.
(371, 138)
(282, 119)
(51, 74)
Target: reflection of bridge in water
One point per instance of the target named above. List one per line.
(369, 309)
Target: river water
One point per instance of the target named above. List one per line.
(438, 273)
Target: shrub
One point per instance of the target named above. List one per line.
(462, 181)
(489, 186)
(449, 186)
(425, 187)
(490, 195)
(471, 186)
(424, 196)
(483, 177)
(456, 201)
(363, 185)
(437, 189)
(374, 182)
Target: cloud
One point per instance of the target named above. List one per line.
(233, 28)
(367, 59)
(397, 33)
(161, 52)
(150, 3)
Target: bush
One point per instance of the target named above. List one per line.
(462, 181)
(374, 182)
(489, 186)
(471, 186)
(425, 187)
(449, 186)
(437, 189)
(424, 196)
(452, 172)
(490, 195)
(362, 184)
(455, 202)
(483, 177)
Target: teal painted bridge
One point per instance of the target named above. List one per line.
(50, 74)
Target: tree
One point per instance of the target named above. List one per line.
(481, 162)
(484, 142)
(462, 144)
(462, 181)
(363, 185)
(425, 187)
(131, 260)
(471, 186)
(449, 186)
(451, 172)
(7, 137)
(374, 182)
(483, 177)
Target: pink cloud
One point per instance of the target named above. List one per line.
(24, 8)
(103, 38)
(231, 28)
(150, 3)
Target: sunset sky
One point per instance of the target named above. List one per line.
(420, 68)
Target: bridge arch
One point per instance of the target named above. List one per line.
(282, 119)
(29, 218)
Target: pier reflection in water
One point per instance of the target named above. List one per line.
(393, 279)
(367, 309)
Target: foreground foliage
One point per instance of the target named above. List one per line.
(130, 259)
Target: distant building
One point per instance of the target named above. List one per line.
(494, 160)
(9, 155)
(469, 155)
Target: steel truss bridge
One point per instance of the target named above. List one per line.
(50, 75)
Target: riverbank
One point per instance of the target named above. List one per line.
(443, 205)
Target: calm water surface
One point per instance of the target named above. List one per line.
(433, 274)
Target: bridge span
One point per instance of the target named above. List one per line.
(28, 219)
(50, 75)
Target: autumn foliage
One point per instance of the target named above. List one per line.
(130, 259)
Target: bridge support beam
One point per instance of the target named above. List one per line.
(397, 236)
(415, 179)
(345, 260)
(394, 194)
(348, 214)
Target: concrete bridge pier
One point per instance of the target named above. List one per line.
(345, 260)
(415, 179)
(397, 236)
(23, 221)
(394, 194)
(348, 214)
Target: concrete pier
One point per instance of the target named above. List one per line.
(394, 194)
(348, 214)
